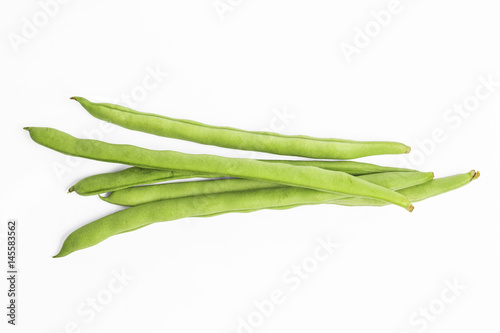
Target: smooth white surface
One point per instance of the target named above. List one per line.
(263, 59)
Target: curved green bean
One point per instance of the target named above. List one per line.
(351, 167)
(215, 204)
(173, 209)
(301, 176)
(113, 181)
(293, 145)
(138, 195)
(391, 180)
(419, 192)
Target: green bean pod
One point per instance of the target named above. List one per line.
(299, 176)
(292, 145)
(391, 180)
(139, 195)
(210, 204)
(113, 181)
(173, 209)
(220, 203)
(419, 192)
(416, 193)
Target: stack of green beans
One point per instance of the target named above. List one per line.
(230, 184)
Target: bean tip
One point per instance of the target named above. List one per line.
(26, 128)
(410, 209)
(78, 99)
(408, 149)
(71, 189)
(475, 174)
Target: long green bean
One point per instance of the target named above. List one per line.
(419, 192)
(214, 204)
(391, 180)
(300, 176)
(113, 181)
(138, 195)
(293, 145)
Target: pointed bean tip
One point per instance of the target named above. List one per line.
(63, 252)
(408, 149)
(79, 99)
(26, 128)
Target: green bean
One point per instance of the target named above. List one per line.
(173, 209)
(138, 195)
(297, 145)
(134, 196)
(415, 191)
(350, 167)
(211, 204)
(118, 180)
(419, 192)
(391, 180)
(301, 176)
(133, 176)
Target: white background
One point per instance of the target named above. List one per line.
(258, 65)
